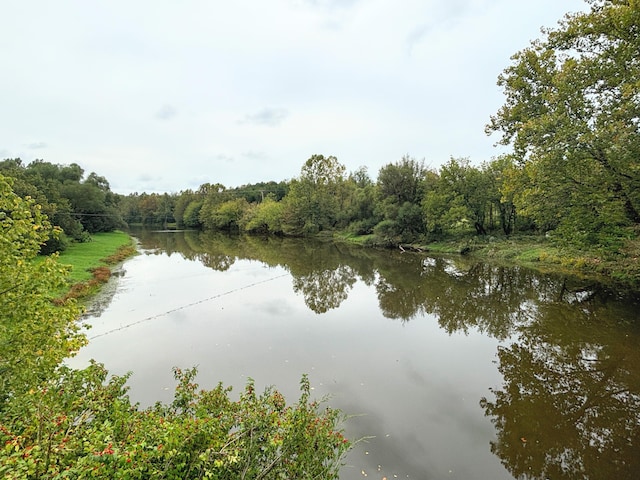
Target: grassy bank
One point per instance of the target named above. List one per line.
(538, 252)
(91, 262)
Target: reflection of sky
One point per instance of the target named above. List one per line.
(416, 388)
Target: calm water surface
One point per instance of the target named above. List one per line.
(454, 369)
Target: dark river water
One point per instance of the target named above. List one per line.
(452, 369)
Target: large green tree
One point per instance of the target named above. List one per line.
(461, 197)
(35, 333)
(314, 199)
(400, 190)
(572, 115)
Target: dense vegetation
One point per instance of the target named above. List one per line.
(572, 118)
(78, 206)
(56, 422)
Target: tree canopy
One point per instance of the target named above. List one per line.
(35, 334)
(572, 115)
(77, 205)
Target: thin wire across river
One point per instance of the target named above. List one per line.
(182, 307)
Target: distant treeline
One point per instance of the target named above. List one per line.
(408, 202)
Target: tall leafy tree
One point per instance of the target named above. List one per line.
(35, 334)
(359, 212)
(228, 215)
(400, 190)
(500, 174)
(264, 217)
(213, 196)
(572, 112)
(182, 201)
(314, 199)
(460, 197)
(43, 182)
(93, 203)
(402, 181)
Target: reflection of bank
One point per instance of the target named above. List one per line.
(101, 300)
(570, 403)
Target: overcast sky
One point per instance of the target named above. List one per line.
(161, 96)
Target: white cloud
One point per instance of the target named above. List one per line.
(166, 112)
(267, 116)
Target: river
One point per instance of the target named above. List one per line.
(451, 368)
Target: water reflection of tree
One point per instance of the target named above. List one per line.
(570, 403)
(461, 294)
(325, 289)
(322, 277)
(322, 272)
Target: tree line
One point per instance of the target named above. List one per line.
(407, 202)
(76, 205)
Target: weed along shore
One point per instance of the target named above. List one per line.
(92, 262)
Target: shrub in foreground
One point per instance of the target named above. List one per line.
(83, 425)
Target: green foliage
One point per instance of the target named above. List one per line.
(387, 232)
(149, 209)
(400, 189)
(226, 215)
(213, 195)
(468, 190)
(258, 192)
(505, 186)
(182, 202)
(362, 227)
(402, 181)
(82, 424)
(264, 217)
(571, 114)
(191, 217)
(69, 202)
(35, 334)
(314, 200)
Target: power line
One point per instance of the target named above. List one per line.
(79, 214)
(173, 310)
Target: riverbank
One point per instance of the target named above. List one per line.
(538, 252)
(91, 263)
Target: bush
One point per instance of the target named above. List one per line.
(82, 425)
(388, 232)
(56, 243)
(362, 227)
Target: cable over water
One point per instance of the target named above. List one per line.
(182, 307)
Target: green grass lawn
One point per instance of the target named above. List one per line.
(85, 256)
